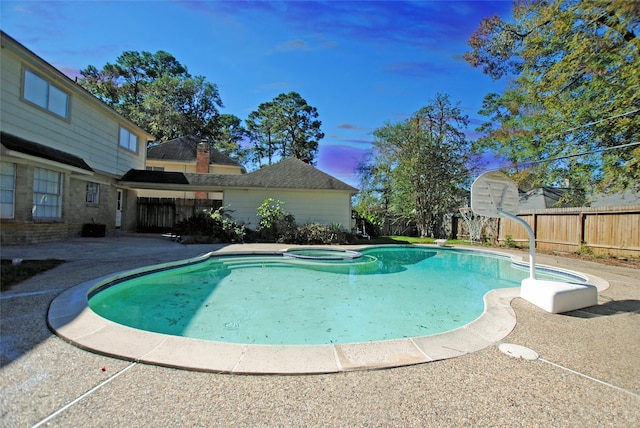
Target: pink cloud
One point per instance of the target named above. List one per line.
(70, 72)
(341, 161)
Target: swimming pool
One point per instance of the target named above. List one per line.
(320, 313)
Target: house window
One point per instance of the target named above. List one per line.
(93, 193)
(128, 140)
(44, 94)
(47, 194)
(7, 189)
(155, 168)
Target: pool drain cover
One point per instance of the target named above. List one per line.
(518, 351)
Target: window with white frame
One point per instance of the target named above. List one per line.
(7, 189)
(154, 168)
(44, 94)
(47, 194)
(93, 193)
(128, 139)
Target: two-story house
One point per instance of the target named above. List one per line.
(188, 154)
(70, 164)
(62, 153)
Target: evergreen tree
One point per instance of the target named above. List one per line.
(284, 127)
(157, 93)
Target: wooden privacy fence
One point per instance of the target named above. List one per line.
(162, 214)
(601, 230)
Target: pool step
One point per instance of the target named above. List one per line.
(253, 263)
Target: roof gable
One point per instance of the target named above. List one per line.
(293, 173)
(185, 149)
(287, 174)
(541, 198)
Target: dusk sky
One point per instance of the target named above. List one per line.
(362, 64)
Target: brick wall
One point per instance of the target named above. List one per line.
(202, 164)
(78, 212)
(29, 232)
(23, 229)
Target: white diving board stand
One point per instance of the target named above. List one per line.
(493, 194)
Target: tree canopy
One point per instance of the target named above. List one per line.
(286, 126)
(227, 136)
(418, 166)
(157, 93)
(573, 93)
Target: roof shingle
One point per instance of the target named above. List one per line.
(287, 174)
(185, 149)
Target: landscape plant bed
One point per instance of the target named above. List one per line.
(633, 262)
(11, 274)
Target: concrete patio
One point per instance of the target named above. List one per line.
(588, 373)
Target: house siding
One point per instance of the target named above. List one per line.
(173, 166)
(190, 167)
(90, 132)
(146, 193)
(306, 206)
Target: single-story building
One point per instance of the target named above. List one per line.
(309, 194)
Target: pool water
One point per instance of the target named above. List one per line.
(387, 293)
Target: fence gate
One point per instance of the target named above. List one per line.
(162, 214)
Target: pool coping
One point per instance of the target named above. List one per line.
(70, 318)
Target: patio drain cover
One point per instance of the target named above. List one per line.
(518, 351)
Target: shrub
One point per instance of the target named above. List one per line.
(286, 230)
(272, 216)
(211, 226)
(226, 226)
(370, 224)
(509, 242)
(200, 225)
(317, 234)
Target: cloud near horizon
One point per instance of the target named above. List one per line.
(341, 161)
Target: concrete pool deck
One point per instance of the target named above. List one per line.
(588, 371)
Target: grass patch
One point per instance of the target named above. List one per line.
(11, 274)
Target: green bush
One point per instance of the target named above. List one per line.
(200, 225)
(277, 225)
(317, 234)
(274, 220)
(285, 230)
(509, 242)
(211, 226)
(372, 224)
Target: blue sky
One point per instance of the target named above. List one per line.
(360, 63)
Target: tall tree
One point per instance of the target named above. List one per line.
(285, 127)
(261, 127)
(298, 127)
(424, 160)
(228, 135)
(157, 93)
(374, 199)
(574, 92)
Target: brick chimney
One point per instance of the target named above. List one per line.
(202, 163)
(202, 157)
